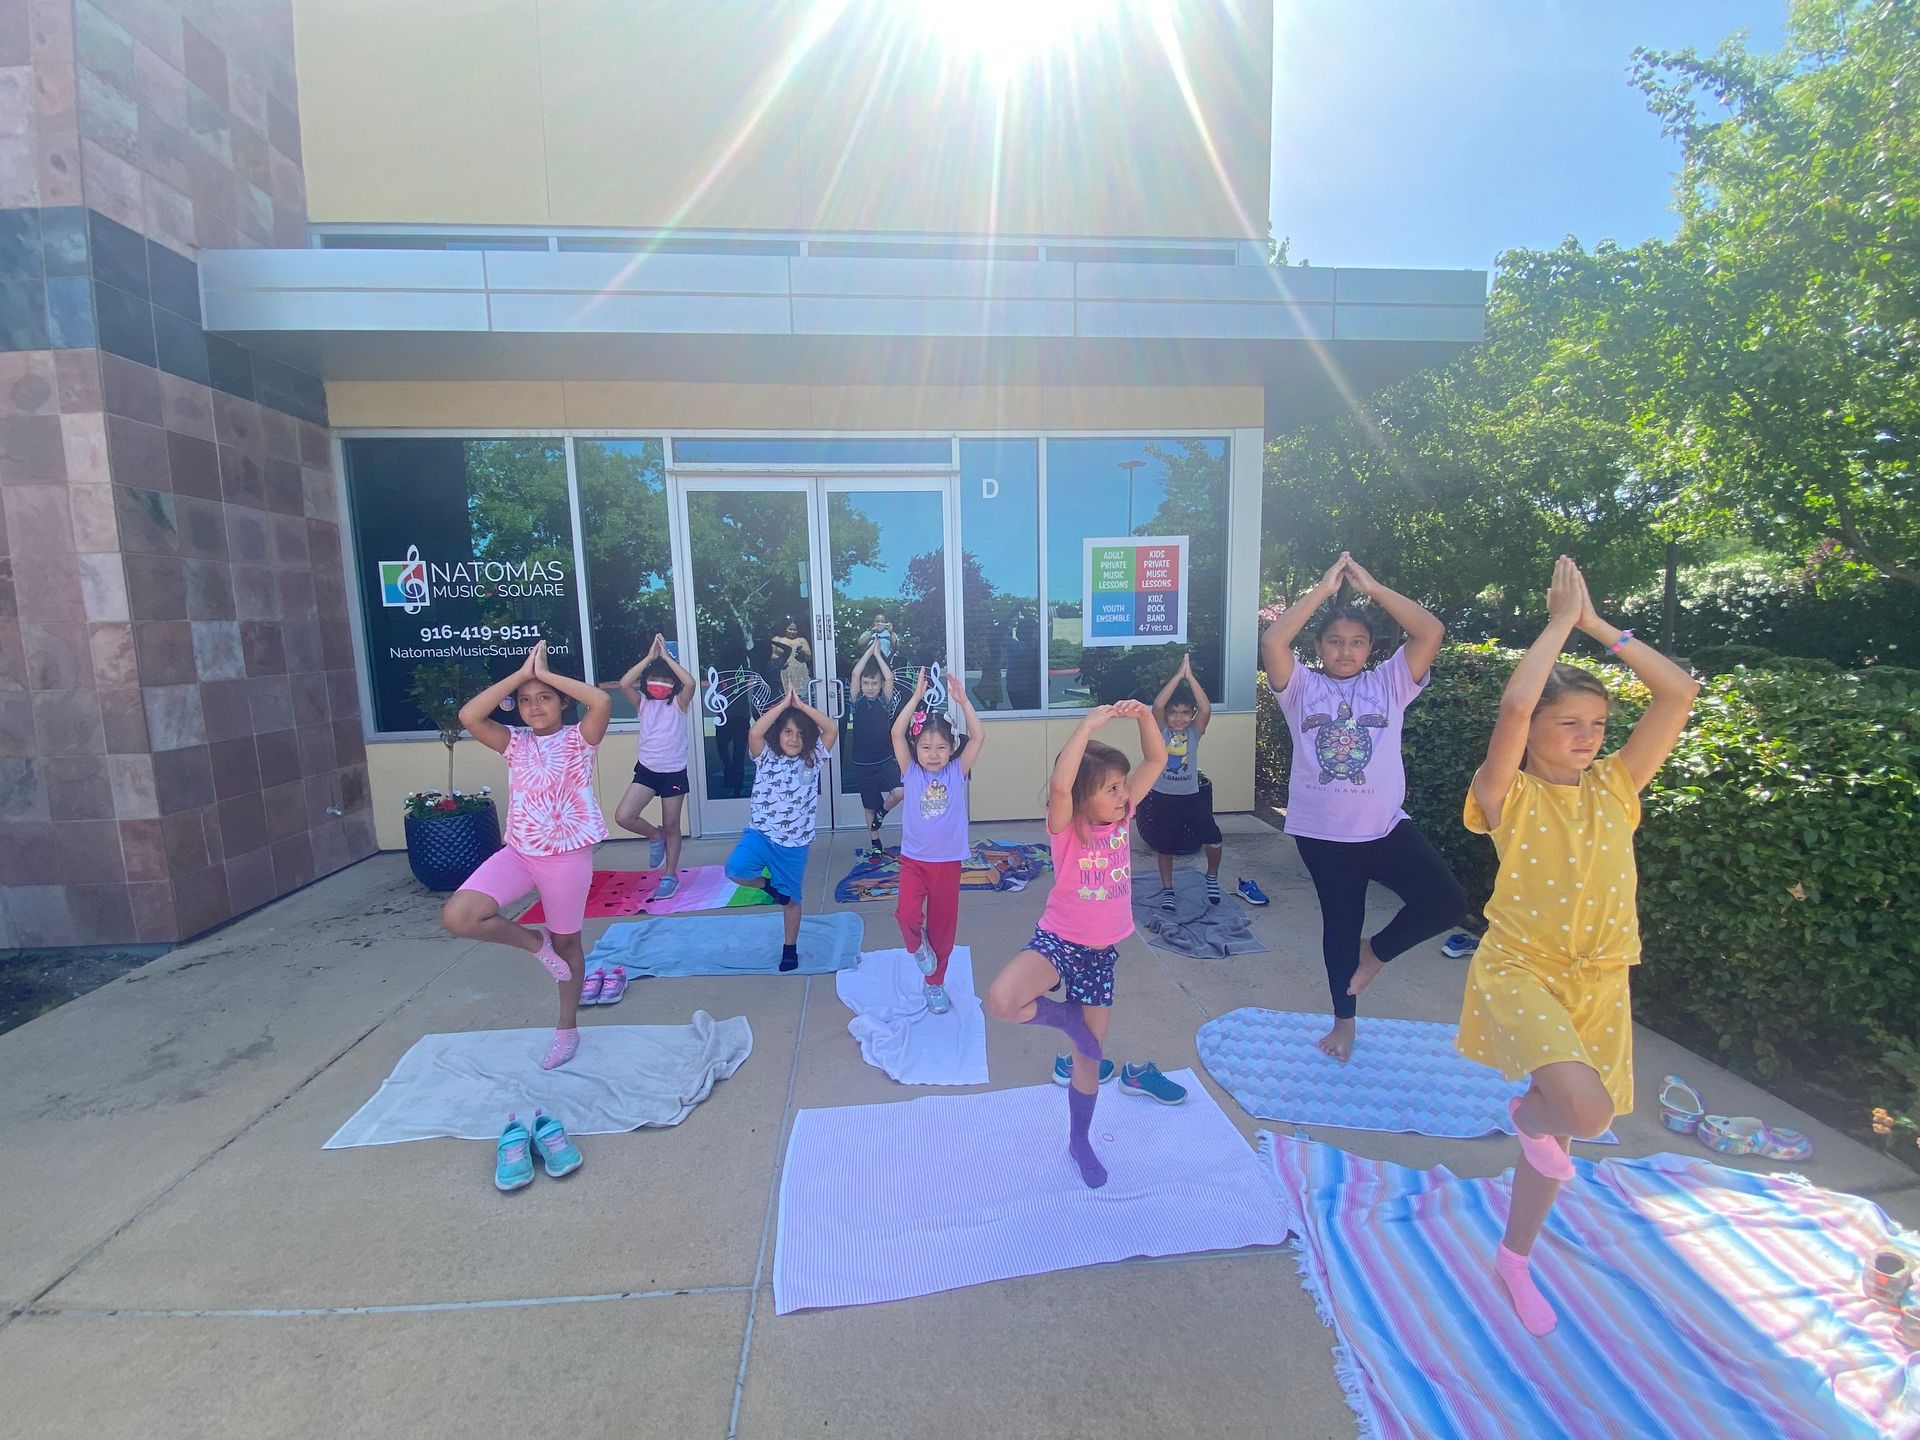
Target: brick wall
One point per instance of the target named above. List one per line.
(179, 718)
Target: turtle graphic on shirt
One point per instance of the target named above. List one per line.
(1342, 744)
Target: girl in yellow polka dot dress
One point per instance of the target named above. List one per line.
(1547, 994)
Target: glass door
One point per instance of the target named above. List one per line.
(793, 579)
(888, 567)
(757, 626)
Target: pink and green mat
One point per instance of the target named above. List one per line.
(1694, 1301)
(632, 892)
(994, 867)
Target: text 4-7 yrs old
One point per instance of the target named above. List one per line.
(933, 820)
(1091, 796)
(553, 823)
(1547, 994)
(787, 745)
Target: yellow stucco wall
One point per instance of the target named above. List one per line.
(816, 115)
(1010, 783)
(639, 405)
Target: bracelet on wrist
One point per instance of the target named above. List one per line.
(1621, 643)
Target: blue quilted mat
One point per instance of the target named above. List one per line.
(1404, 1076)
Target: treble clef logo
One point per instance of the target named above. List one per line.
(936, 688)
(715, 701)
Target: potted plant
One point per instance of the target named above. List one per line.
(449, 833)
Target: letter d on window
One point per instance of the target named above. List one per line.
(989, 488)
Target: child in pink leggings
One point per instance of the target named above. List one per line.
(553, 823)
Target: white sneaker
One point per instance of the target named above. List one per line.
(937, 1000)
(923, 957)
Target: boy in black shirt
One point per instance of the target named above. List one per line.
(869, 749)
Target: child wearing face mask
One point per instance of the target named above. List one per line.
(933, 819)
(661, 693)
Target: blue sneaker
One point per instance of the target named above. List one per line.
(1461, 942)
(1147, 1080)
(665, 889)
(513, 1159)
(557, 1151)
(656, 853)
(1250, 892)
(1063, 1070)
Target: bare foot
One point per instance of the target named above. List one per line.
(1338, 1042)
(1370, 967)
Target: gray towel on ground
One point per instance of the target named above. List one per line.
(1193, 927)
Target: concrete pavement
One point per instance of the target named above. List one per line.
(180, 1258)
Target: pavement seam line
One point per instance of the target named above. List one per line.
(114, 1234)
(424, 1307)
(766, 1225)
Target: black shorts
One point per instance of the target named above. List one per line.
(1179, 824)
(663, 783)
(873, 779)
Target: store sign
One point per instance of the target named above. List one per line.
(466, 556)
(1134, 591)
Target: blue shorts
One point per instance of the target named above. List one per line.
(1087, 973)
(785, 865)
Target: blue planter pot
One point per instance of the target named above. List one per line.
(445, 850)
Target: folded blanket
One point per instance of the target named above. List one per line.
(1186, 922)
(727, 945)
(625, 1076)
(896, 1031)
(992, 867)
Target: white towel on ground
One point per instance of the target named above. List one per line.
(882, 1202)
(896, 1031)
(625, 1076)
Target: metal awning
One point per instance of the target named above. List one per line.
(1304, 334)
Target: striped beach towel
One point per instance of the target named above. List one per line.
(1694, 1301)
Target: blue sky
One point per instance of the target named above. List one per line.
(1438, 133)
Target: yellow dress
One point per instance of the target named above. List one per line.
(1549, 981)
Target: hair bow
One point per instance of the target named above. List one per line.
(919, 722)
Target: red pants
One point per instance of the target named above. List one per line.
(937, 884)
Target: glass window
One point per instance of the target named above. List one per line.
(1099, 489)
(465, 551)
(1000, 571)
(629, 557)
(754, 450)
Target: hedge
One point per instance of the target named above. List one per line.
(1779, 854)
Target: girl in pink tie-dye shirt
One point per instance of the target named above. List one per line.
(553, 823)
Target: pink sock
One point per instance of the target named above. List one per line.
(566, 1044)
(550, 958)
(1528, 1303)
(1542, 1152)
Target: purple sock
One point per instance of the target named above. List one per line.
(1064, 1015)
(1080, 1117)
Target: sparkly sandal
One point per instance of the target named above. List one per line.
(1745, 1135)
(1680, 1106)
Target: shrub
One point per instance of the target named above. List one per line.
(1724, 659)
(1779, 855)
(1772, 602)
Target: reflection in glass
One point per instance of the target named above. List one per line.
(890, 586)
(749, 563)
(1133, 487)
(1000, 571)
(629, 558)
(476, 539)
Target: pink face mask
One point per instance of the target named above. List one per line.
(659, 689)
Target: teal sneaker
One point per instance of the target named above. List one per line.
(1147, 1080)
(513, 1159)
(557, 1152)
(1063, 1070)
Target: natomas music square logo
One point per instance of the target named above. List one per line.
(413, 584)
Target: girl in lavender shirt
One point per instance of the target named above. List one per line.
(1345, 791)
(935, 771)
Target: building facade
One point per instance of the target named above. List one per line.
(347, 341)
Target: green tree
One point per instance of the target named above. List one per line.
(1772, 350)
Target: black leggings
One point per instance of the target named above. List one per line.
(1406, 863)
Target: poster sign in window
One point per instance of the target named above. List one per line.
(1135, 591)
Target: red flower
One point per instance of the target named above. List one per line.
(449, 804)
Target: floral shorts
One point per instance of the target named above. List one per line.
(1088, 973)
